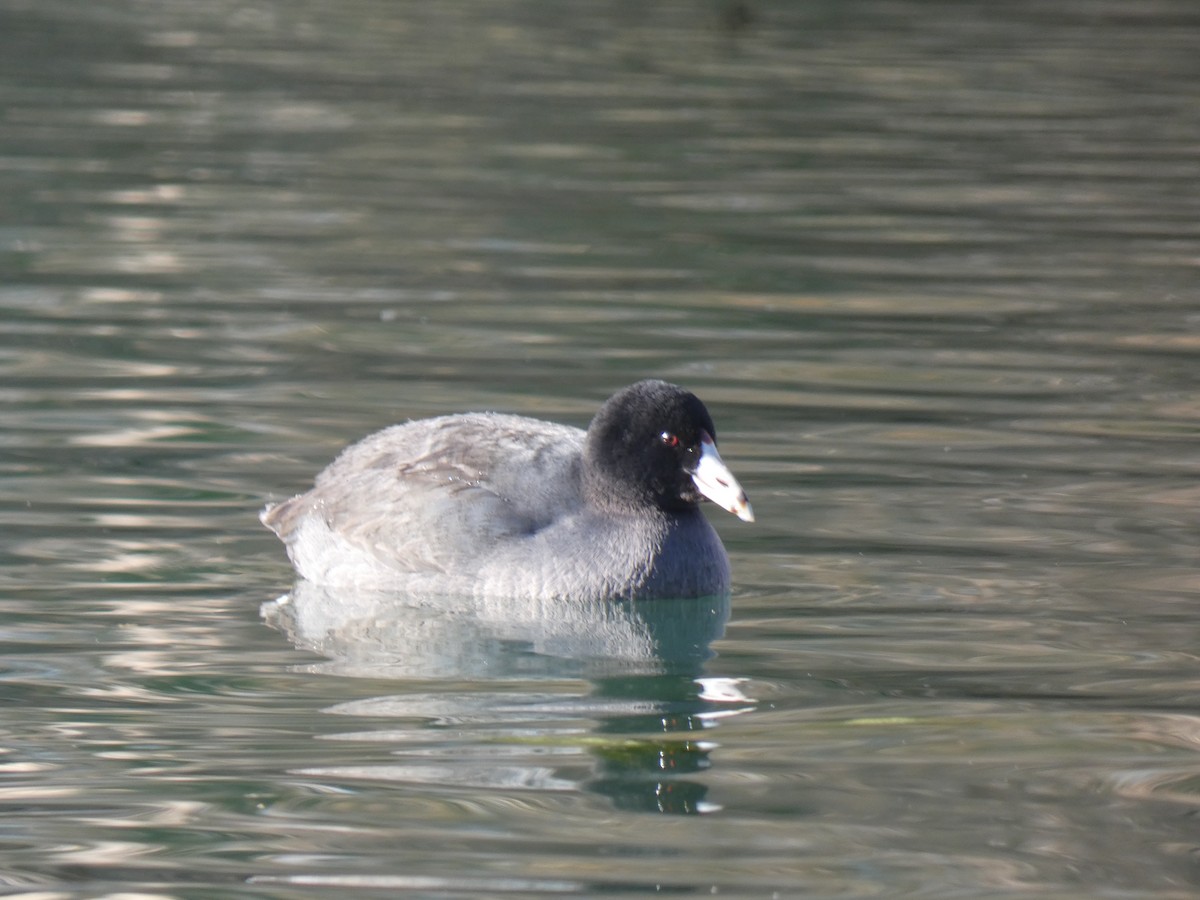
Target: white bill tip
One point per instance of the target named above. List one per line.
(714, 480)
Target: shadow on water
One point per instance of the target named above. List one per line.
(510, 672)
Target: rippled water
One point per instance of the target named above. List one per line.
(932, 266)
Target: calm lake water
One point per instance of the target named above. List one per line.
(933, 267)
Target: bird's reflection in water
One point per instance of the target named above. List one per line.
(489, 692)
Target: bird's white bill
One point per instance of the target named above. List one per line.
(716, 482)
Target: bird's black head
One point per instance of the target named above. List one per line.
(653, 446)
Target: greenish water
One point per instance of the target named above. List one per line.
(933, 267)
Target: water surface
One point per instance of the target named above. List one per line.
(933, 268)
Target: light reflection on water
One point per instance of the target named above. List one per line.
(648, 702)
(932, 270)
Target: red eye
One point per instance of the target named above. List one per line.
(669, 439)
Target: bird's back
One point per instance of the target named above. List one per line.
(432, 497)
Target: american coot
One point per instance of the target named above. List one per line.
(495, 505)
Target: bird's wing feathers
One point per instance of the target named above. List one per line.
(433, 495)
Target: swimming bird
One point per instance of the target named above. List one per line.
(493, 505)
